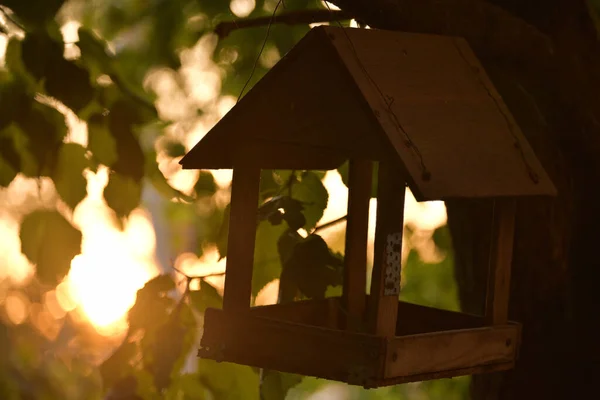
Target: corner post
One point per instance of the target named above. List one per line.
(385, 281)
(498, 289)
(242, 236)
(355, 257)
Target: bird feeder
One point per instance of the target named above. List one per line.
(423, 108)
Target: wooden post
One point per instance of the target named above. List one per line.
(355, 258)
(498, 292)
(242, 235)
(385, 281)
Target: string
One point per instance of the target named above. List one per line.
(260, 51)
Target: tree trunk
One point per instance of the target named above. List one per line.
(544, 58)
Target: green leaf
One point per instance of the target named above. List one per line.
(151, 308)
(206, 297)
(186, 386)
(275, 384)
(158, 180)
(49, 241)
(168, 346)
(122, 194)
(7, 172)
(10, 161)
(343, 171)
(40, 53)
(118, 366)
(313, 195)
(68, 173)
(69, 83)
(205, 185)
(34, 12)
(174, 148)
(45, 129)
(267, 265)
(100, 142)
(223, 234)
(229, 381)
(93, 52)
(130, 157)
(15, 101)
(311, 268)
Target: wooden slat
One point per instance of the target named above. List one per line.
(355, 257)
(412, 318)
(289, 347)
(242, 234)
(415, 318)
(431, 91)
(383, 301)
(482, 369)
(308, 312)
(451, 350)
(498, 294)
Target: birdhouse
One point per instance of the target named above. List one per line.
(423, 109)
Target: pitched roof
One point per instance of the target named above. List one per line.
(423, 99)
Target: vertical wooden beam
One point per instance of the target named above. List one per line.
(242, 235)
(385, 281)
(355, 258)
(498, 292)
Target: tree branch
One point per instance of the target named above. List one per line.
(223, 29)
(330, 224)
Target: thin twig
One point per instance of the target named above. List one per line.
(223, 29)
(192, 277)
(11, 19)
(330, 223)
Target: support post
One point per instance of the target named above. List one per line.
(241, 239)
(355, 258)
(385, 281)
(498, 292)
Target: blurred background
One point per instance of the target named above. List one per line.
(109, 251)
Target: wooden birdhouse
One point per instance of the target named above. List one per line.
(423, 109)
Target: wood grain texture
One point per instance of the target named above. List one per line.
(291, 347)
(451, 350)
(415, 318)
(481, 369)
(242, 235)
(498, 294)
(382, 309)
(355, 255)
(324, 313)
(445, 123)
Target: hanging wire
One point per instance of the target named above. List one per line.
(262, 48)
(388, 101)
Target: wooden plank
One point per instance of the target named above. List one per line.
(288, 347)
(451, 350)
(482, 369)
(355, 257)
(308, 312)
(385, 280)
(439, 110)
(242, 235)
(267, 154)
(415, 318)
(498, 293)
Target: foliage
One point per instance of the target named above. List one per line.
(105, 85)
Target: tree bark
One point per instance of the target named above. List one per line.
(544, 58)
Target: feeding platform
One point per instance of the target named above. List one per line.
(423, 109)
